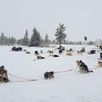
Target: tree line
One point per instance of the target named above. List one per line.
(37, 40)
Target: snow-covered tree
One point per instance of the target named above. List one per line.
(60, 35)
(25, 41)
(98, 42)
(2, 39)
(35, 38)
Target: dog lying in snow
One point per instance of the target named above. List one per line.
(81, 51)
(55, 55)
(99, 64)
(50, 52)
(40, 57)
(82, 67)
(49, 75)
(69, 54)
(3, 74)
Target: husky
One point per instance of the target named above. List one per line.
(36, 53)
(50, 52)
(99, 63)
(82, 67)
(55, 55)
(3, 75)
(40, 57)
(49, 75)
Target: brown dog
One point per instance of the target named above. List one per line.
(3, 74)
(99, 63)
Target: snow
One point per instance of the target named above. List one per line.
(70, 86)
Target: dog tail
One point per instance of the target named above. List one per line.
(90, 70)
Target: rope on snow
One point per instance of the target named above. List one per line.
(22, 78)
(63, 71)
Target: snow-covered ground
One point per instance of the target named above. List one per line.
(70, 86)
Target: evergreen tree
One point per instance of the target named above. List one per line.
(12, 40)
(6, 41)
(19, 41)
(53, 42)
(46, 39)
(42, 42)
(98, 42)
(25, 41)
(60, 35)
(35, 38)
(2, 39)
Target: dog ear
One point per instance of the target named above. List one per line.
(77, 61)
(81, 61)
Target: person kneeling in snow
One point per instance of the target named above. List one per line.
(82, 66)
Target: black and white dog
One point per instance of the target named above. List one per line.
(40, 57)
(49, 75)
(83, 68)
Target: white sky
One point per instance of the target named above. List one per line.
(80, 17)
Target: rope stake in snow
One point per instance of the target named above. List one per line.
(22, 78)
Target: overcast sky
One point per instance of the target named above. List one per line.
(80, 17)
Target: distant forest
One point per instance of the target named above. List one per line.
(25, 41)
(37, 40)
